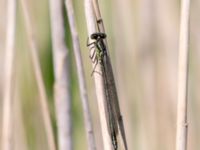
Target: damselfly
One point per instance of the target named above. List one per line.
(99, 55)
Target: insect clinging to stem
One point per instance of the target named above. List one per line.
(98, 54)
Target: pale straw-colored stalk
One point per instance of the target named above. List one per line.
(114, 100)
(38, 74)
(99, 82)
(182, 125)
(81, 76)
(9, 68)
(61, 72)
(105, 84)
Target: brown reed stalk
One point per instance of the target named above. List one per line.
(9, 67)
(105, 84)
(182, 125)
(38, 75)
(99, 83)
(121, 129)
(62, 80)
(81, 76)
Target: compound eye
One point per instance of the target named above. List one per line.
(102, 35)
(94, 36)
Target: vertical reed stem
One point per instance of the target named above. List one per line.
(38, 75)
(108, 101)
(9, 67)
(182, 125)
(62, 80)
(81, 77)
(99, 82)
(112, 85)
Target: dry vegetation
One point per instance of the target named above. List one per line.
(49, 100)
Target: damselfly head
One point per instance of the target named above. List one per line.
(95, 36)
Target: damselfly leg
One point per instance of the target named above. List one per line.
(93, 55)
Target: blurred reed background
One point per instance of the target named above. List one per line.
(143, 42)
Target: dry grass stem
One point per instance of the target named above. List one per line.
(38, 75)
(98, 15)
(105, 87)
(182, 125)
(99, 82)
(113, 90)
(81, 77)
(9, 67)
(62, 80)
